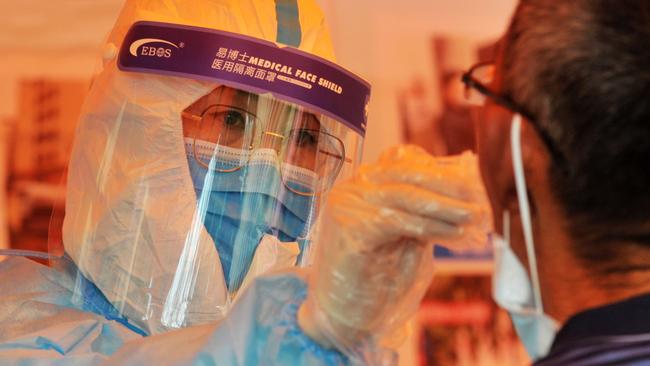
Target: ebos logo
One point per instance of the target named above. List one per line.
(154, 51)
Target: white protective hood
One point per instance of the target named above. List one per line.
(130, 198)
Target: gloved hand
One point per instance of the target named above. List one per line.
(374, 257)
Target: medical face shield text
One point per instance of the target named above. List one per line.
(204, 144)
(255, 65)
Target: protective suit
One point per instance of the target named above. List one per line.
(203, 151)
(205, 157)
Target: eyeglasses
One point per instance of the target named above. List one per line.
(232, 133)
(476, 81)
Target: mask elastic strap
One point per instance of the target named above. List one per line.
(506, 226)
(520, 182)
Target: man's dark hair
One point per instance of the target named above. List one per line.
(582, 69)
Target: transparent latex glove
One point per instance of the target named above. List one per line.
(374, 260)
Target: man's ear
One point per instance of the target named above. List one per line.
(544, 211)
(493, 146)
(536, 160)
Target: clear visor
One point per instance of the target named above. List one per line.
(180, 192)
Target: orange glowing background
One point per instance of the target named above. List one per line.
(49, 50)
(387, 42)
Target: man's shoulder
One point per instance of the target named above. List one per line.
(616, 333)
(620, 350)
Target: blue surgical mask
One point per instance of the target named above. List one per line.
(242, 206)
(513, 289)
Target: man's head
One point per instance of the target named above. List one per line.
(580, 71)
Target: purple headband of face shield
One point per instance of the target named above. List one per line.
(250, 64)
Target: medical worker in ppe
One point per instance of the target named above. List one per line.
(563, 143)
(205, 157)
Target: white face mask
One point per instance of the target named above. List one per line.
(512, 289)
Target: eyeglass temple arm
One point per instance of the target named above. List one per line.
(347, 160)
(505, 101)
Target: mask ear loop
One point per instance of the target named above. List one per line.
(524, 208)
(498, 254)
(506, 226)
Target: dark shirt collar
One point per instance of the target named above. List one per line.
(627, 317)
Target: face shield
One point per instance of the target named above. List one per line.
(202, 159)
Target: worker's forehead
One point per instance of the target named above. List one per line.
(231, 96)
(251, 102)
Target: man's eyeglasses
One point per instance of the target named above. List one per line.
(476, 81)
